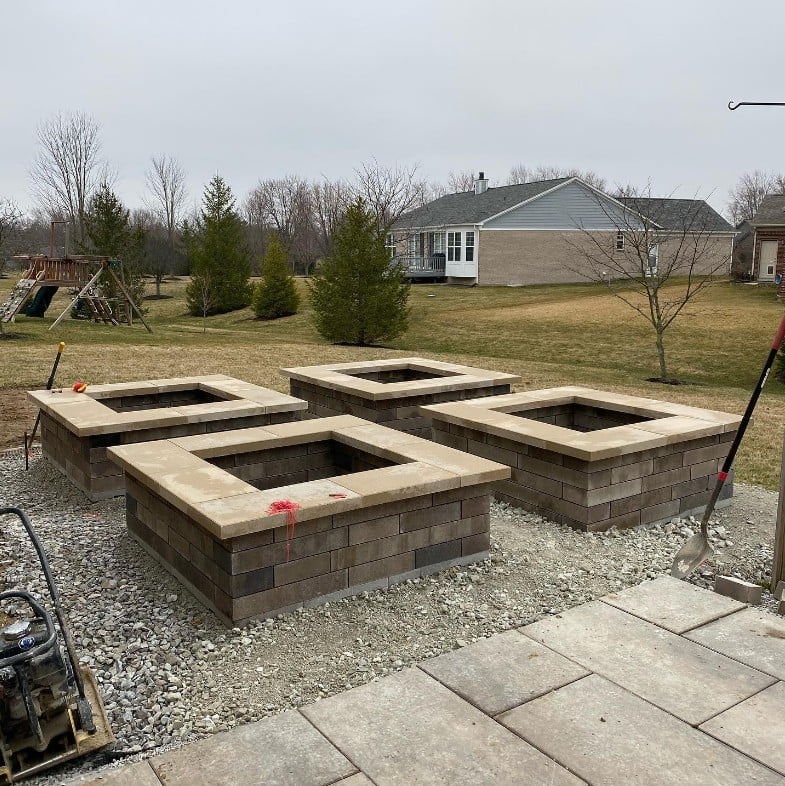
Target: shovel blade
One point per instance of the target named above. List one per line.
(694, 552)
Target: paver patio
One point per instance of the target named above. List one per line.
(511, 709)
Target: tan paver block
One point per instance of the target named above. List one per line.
(216, 410)
(407, 729)
(671, 672)
(404, 480)
(752, 636)
(503, 671)
(151, 459)
(738, 589)
(243, 514)
(355, 780)
(755, 727)
(221, 443)
(673, 604)
(472, 469)
(680, 428)
(284, 750)
(116, 389)
(612, 738)
(139, 774)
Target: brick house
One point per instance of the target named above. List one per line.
(532, 233)
(768, 254)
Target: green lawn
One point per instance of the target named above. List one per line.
(550, 335)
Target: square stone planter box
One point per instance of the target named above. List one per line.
(77, 428)
(374, 506)
(389, 392)
(592, 459)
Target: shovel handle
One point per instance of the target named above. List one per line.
(778, 339)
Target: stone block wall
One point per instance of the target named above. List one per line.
(84, 461)
(398, 413)
(641, 487)
(265, 573)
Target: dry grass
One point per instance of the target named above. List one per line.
(549, 335)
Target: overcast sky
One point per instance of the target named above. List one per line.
(253, 90)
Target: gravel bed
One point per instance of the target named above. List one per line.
(171, 673)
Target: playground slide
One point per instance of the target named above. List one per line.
(38, 305)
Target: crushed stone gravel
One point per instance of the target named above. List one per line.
(170, 672)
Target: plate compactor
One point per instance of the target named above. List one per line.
(50, 708)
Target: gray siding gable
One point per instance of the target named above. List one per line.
(572, 206)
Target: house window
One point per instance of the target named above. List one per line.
(437, 242)
(453, 246)
(620, 241)
(390, 245)
(470, 246)
(654, 257)
(414, 245)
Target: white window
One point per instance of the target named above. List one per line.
(414, 245)
(390, 245)
(654, 257)
(453, 246)
(437, 242)
(470, 246)
(620, 241)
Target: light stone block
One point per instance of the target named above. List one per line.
(610, 737)
(407, 729)
(675, 674)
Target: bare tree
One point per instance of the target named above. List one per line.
(329, 200)
(10, 229)
(655, 270)
(745, 197)
(521, 173)
(458, 182)
(69, 167)
(389, 191)
(166, 182)
(284, 205)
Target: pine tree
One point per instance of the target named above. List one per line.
(218, 254)
(109, 232)
(276, 294)
(358, 296)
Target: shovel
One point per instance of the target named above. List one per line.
(697, 549)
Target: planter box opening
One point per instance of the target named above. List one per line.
(580, 417)
(180, 398)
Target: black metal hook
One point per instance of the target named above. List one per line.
(733, 106)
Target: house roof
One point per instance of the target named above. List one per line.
(469, 208)
(678, 214)
(771, 211)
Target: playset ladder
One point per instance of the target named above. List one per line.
(20, 294)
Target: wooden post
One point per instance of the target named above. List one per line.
(129, 298)
(778, 565)
(81, 294)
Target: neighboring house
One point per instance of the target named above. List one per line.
(743, 245)
(532, 233)
(768, 255)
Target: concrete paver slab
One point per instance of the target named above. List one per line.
(751, 636)
(755, 727)
(284, 750)
(408, 728)
(503, 671)
(610, 737)
(685, 679)
(139, 774)
(673, 604)
(355, 780)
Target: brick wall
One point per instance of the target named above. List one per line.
(519, 258)
(398, 413)
(643, 487)
(84, 461)
(328, 557)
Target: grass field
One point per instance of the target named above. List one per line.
(550, 335)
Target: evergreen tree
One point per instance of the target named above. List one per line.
(109, 232)
(358, 296)
(276, 294)
(218, 254)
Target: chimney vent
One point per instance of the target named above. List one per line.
(481, 184)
